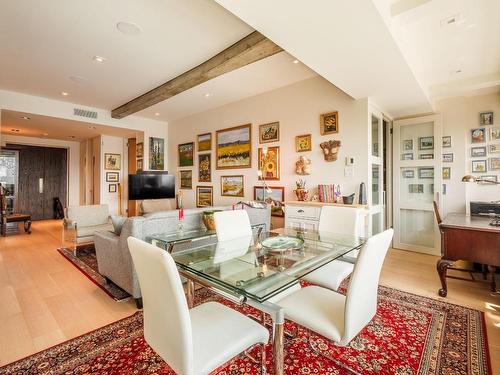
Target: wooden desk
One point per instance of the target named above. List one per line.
(468, 238)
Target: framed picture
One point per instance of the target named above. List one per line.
(112, 188)
(495, 134)
(269, 132)
(447, 141)
(204, 142)
(234, 147)
(478, 135)
(479, 166)
(426, 156)
(205, 168)
(112, 162)
(446, 173)
(486, 118)
(186, 154)
(408, 173)
(139, 150)
(157, 154)
(426, 172)
(186, 178)
(426, 143)
(232, 186)
(329, 123)
(408, 145)
(275, 197)
(303, 143)
(494, 164)
(407, 156)
(112, 176)
(204, 196)
(416, 188)
(490, 178)
(494, 148)
(447, 158)
(477, 151)
(139, 165)
(269, 163)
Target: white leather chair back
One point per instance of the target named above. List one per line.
(361, 297)
(167, 323)
(85, 216)
(232, 224)
(343, 220)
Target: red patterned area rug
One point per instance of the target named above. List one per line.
(409, 335)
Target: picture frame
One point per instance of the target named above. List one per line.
(486, 118)
(186, 179)
(204, 142)
(112, 162)
(205, 167)
(446, 173)
(275, 198)
(407, 156)
(476, 152)
(269, 132)
(112, 176)
(303, 143)
(269, 163)
(494, 164)
(112, 188)
(479, 166)
(415, 188)
(139, 165)
(491, 178)
(408, 145)
(232, 186)
(494, 148)
(233, 148)
(204, 196)
(426, 172)
(408, 173)
(447, 158)
(478, 135)
(446, 141)
(426, 143)
(185, 152)
(329, 123)
(494, 134)
(156, 154)
(426, 156)
(139, 150)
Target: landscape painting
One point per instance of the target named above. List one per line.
(186, 152)
(232, 186)
(275, 196)
(156, 154)
(205, 142)
(234, 147)
(186, 178)
(204, 196)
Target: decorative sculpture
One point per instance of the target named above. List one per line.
(330, 149)
(301, 191)
(303, 166)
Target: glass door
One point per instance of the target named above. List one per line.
(417, 182)
(9, 169)
(376, 191)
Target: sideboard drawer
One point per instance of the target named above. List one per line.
(303, 211)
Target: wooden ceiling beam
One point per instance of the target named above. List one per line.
(252, 48)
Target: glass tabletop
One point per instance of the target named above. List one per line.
(164, 239)
(260, 267)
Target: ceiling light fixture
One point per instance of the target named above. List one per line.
(64, 93)
(295, 61)
(15, 130)
(71, 136)
(128, 28)
(25, 118)
(92, 127)
(207, 95)
(99, 59)
(157, 114)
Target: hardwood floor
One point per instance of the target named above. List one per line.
(45, 300)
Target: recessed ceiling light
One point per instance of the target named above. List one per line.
(157, 113)
(15, 130)
(295, 61)
(207, 95)
(128, 28)
(25, 118)
(78, 79)
(99, 59)
(64, 93)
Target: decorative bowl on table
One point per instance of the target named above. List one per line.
(208, 219)
(282, 243)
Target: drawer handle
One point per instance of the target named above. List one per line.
(300, 211)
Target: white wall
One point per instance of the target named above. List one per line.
(73, 159)
(460, 115)
(297, 107)
(114, 145)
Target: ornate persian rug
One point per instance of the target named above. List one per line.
(86, 262)
(410, 334)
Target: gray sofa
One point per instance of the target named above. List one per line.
(113, 256)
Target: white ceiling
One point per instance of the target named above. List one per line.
(56, 128)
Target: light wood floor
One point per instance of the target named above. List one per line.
(45, 300)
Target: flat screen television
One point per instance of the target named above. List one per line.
(151, 186)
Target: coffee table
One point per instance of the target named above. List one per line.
(17, 218)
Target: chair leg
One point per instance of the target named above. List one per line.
(263, 359)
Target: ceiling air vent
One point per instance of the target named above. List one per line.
(84, 113)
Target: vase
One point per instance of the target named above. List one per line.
(301, 194)
(208, 219)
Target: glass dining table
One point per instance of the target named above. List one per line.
(252, 270)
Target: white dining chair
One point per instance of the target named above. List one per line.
(232, 224)
(335, 316)
(195, 341)
(341, 220)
